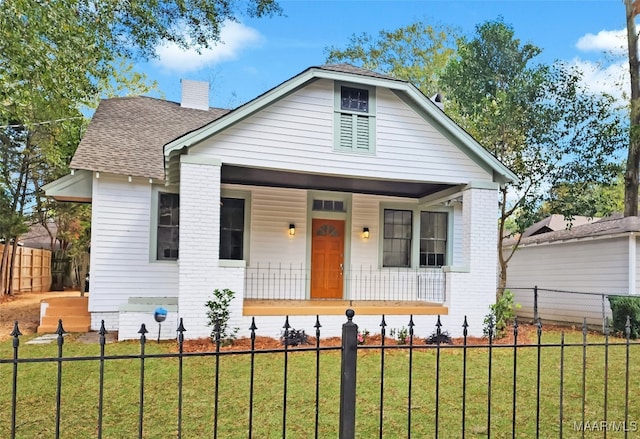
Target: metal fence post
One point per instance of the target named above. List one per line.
(348, 378)
(535, 303)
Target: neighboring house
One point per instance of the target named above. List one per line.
(598, 258)
(339, 188)
(556, 222)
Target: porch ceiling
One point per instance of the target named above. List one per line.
(265, 177)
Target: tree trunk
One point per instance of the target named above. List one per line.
(502, 279)
(12, 264)
(633, 157)
(4, 269)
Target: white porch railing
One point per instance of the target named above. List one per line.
(291, 282)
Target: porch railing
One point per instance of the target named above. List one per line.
(292, 282)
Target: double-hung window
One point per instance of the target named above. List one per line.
(232, 213)
(168, 233)
(410, 233)
(355, 118)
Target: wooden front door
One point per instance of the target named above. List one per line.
(327, 259)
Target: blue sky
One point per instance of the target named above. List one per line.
(259, 54)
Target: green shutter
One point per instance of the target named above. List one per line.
(361, 136)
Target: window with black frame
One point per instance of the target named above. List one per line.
(168, 232)
(232, 228)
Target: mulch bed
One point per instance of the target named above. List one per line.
(526, 335)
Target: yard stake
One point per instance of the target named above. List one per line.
(489, 378)
(627, 331)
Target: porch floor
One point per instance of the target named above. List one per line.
(258, 307)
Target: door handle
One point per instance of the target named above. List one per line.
(341, 269)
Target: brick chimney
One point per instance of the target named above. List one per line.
(195, 94)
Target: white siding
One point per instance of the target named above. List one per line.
(120, 240)
(595, 266)
(589, 266)
(297, 133)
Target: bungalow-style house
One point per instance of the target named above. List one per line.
(596, 259)
(339, 188)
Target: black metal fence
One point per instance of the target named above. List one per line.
(553, 386)
(563, 306)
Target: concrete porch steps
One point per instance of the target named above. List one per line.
(74, 312)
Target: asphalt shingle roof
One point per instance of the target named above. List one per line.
(613, 225)
(126, 135)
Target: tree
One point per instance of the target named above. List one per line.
(537, 119)
(585, 199)
(633, 157)
(416, 53)
(58, 58)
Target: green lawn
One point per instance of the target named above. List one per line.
(36, 401)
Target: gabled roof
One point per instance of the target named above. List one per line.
(556, 222)
(347, 72)
(611, 226)
(126, 135)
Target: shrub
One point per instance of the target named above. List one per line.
(434, 338)
(218, 315)
(362, 336)
(501, 314)
(401, 335)
(623, 307)
(294, 337)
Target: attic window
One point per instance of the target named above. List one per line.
(355, 119)
(354, 99)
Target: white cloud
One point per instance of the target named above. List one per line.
(612, 78)
(612, 41)
(234, 38)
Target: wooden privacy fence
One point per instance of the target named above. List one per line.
(31, 270)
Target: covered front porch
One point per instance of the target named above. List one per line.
(267, 307)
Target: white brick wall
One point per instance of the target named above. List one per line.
(110, 320)
(471, 293)
(130, 323)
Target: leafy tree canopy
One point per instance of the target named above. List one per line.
(417, 53)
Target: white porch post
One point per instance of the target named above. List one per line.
(198, 261)
(471, 292)
(632, 263)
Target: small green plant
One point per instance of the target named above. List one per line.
(621, 308)
(401, 335)
(218, 316)
(501, 314)
(294, 337)
(441, 338)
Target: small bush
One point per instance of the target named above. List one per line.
(401, 335)
(294, 337)
(362, 336)
(500, 316)
(434, 338)
(623, 307)
(219, 313)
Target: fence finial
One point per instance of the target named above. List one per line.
(16, 331)
(350, 313)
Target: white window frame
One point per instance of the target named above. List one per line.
(414, 256)
(153, 235)
(246, 238)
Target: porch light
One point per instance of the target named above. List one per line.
(365, 232)
(292, 229)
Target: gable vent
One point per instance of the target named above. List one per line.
(354, 132)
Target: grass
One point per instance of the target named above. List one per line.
(36, 398)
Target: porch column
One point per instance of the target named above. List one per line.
(472, 292)
(198, 257)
